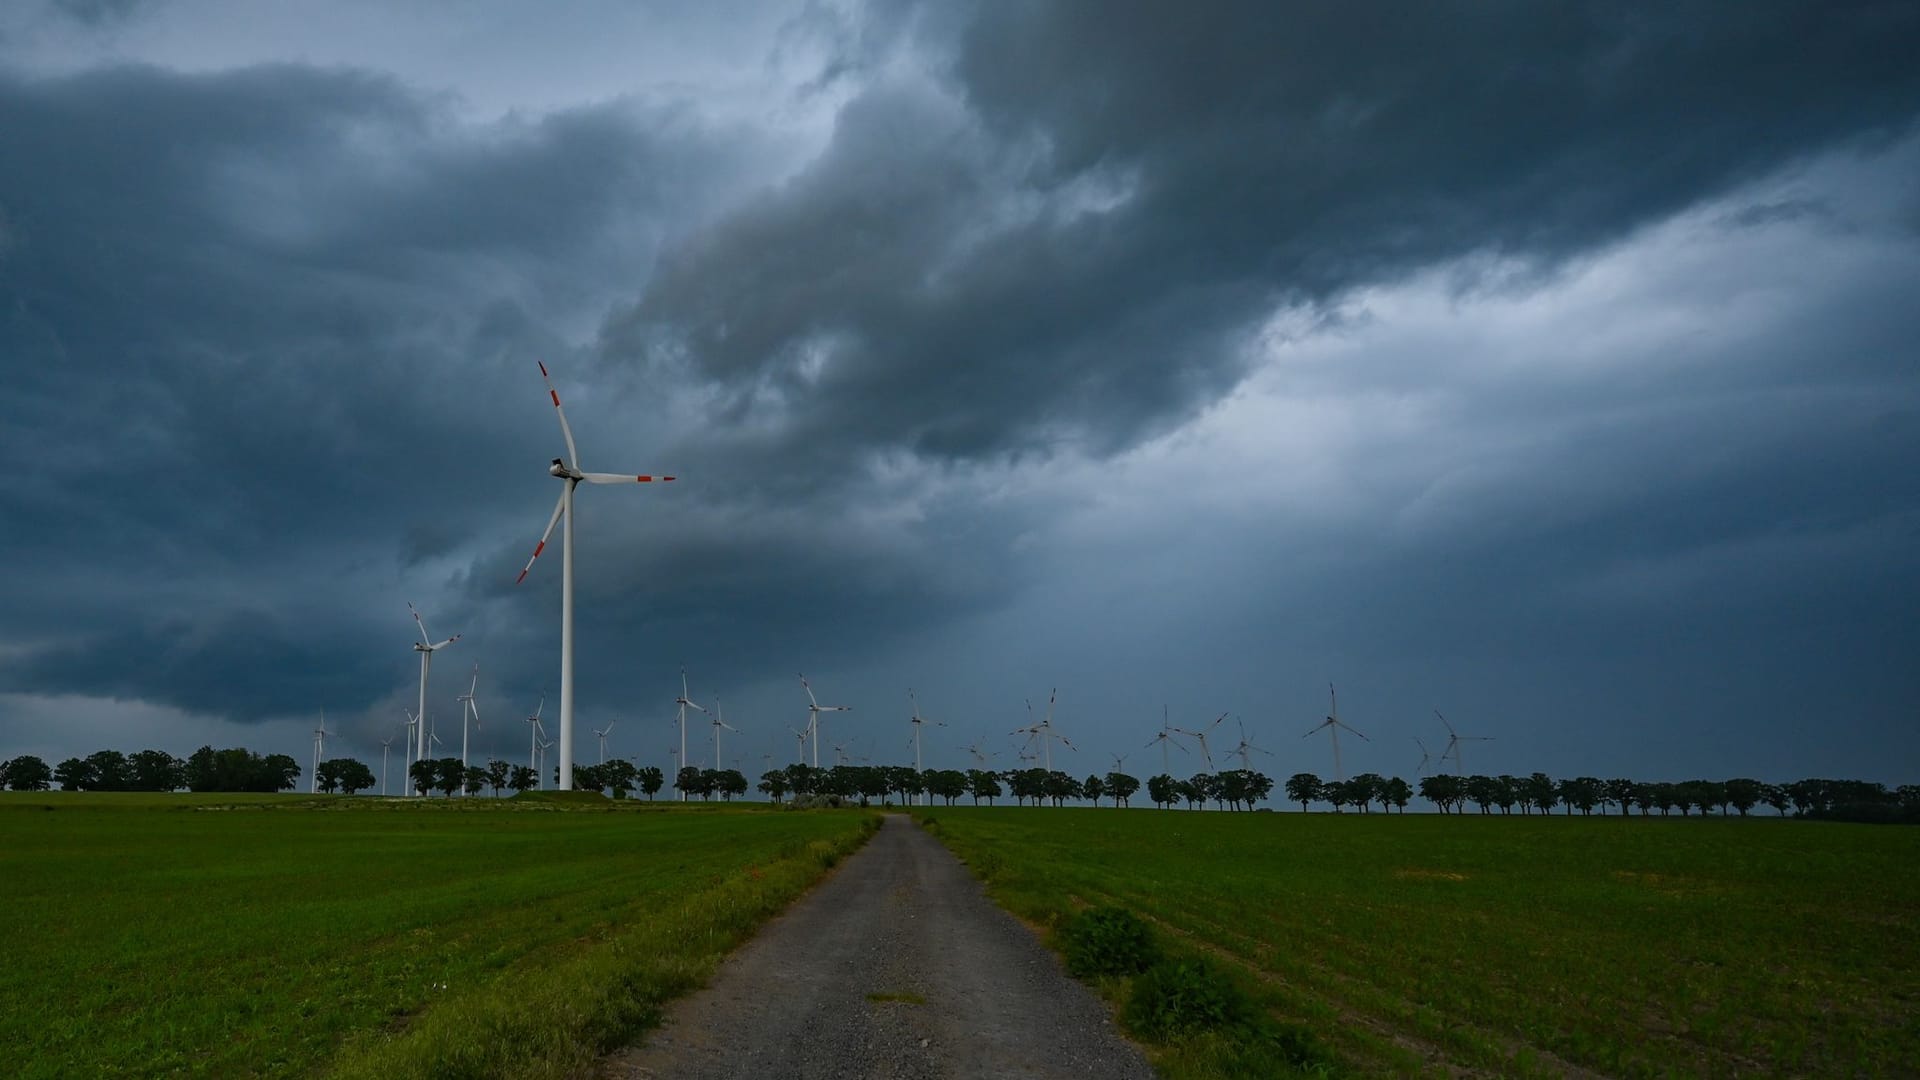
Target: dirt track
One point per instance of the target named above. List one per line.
(897, 966)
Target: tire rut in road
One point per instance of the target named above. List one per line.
(896, 967)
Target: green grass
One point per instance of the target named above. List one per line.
(276, 935)
(1512, 946)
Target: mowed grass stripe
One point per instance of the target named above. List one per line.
(264, 938)
(1634, 948)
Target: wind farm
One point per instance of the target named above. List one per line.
(1537, 380)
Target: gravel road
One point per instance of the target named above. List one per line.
(897, 966)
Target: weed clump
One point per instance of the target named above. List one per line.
(1107, 941)
(1183, 997)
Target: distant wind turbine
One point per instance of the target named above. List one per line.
(918, 722)
(1454, 739)
(569, 471)
(1044, 731)
(426, 647)
(814, 709)
(719, 724)
(386, 748)
(1165, 738)
(469, 710)
(980, 757)
(601, 733)
(685, 703)
(534, 730)
(1333, 724)
(1246, 748)
(319, 749)
(1425, 755)
(1201, 738)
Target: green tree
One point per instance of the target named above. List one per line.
(1482, 791)
(423, 774)
(1365, 788)
(1164, 790)
(1303, 788)
(651, 780)
(1775, 796)
(523, 778)
(1743, 794)
(948, 784)
(1397, 793)
(355, 776)
(473, 779)
(109, 771)
(1620, 792)
(277, 772)
(1584, 792)
(731, 782)
(621, 777)
(1093, 788)
(156, 770)
(1541, 792)
(1120, 788)
(983, 784)
(687, 781)
(773, 782)
(28, 773)
(327, 775)
(498, 773)
(74, 774)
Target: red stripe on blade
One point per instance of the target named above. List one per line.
(556, 398)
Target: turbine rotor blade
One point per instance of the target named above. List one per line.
(558, 506)
(573, 454)
(621, 478)
(421, 623)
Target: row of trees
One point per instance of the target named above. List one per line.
(206, 769)
(1852, 799)
(239, 769)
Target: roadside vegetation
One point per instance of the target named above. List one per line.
(1369, 945)
(157, 934)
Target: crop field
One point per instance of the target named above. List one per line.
(1509, 946)
(275, 935)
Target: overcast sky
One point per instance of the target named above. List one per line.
(1553, 366)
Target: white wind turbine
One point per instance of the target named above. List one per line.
(685, 703)
(1119, 760)
(386, 748)
(569, 472)
(534, 731)
(601, 734)
(980, 757)
(469, 710)
(1246, 749)
(426, 647)
(1454, 739)
(1165, 739)
(1333, 724)
(800, 756)
(814, 709)
(1044, 731)
(413, 725)
(918, 722)
(1201, 738)
(719, 722)
(542, 746)
(319, 748)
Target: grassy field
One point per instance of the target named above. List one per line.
(274, 935)
(1509, 946)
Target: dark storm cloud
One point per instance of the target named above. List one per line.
(265, 327)
(1069, 242)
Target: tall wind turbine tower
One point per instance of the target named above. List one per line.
(469, 710)
(719, 719)
(426, 647)
(919, 722)
(569, 472)
(1333, 724)
(685, 703)
(319, 749)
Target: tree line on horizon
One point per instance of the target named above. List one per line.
(237, 769)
